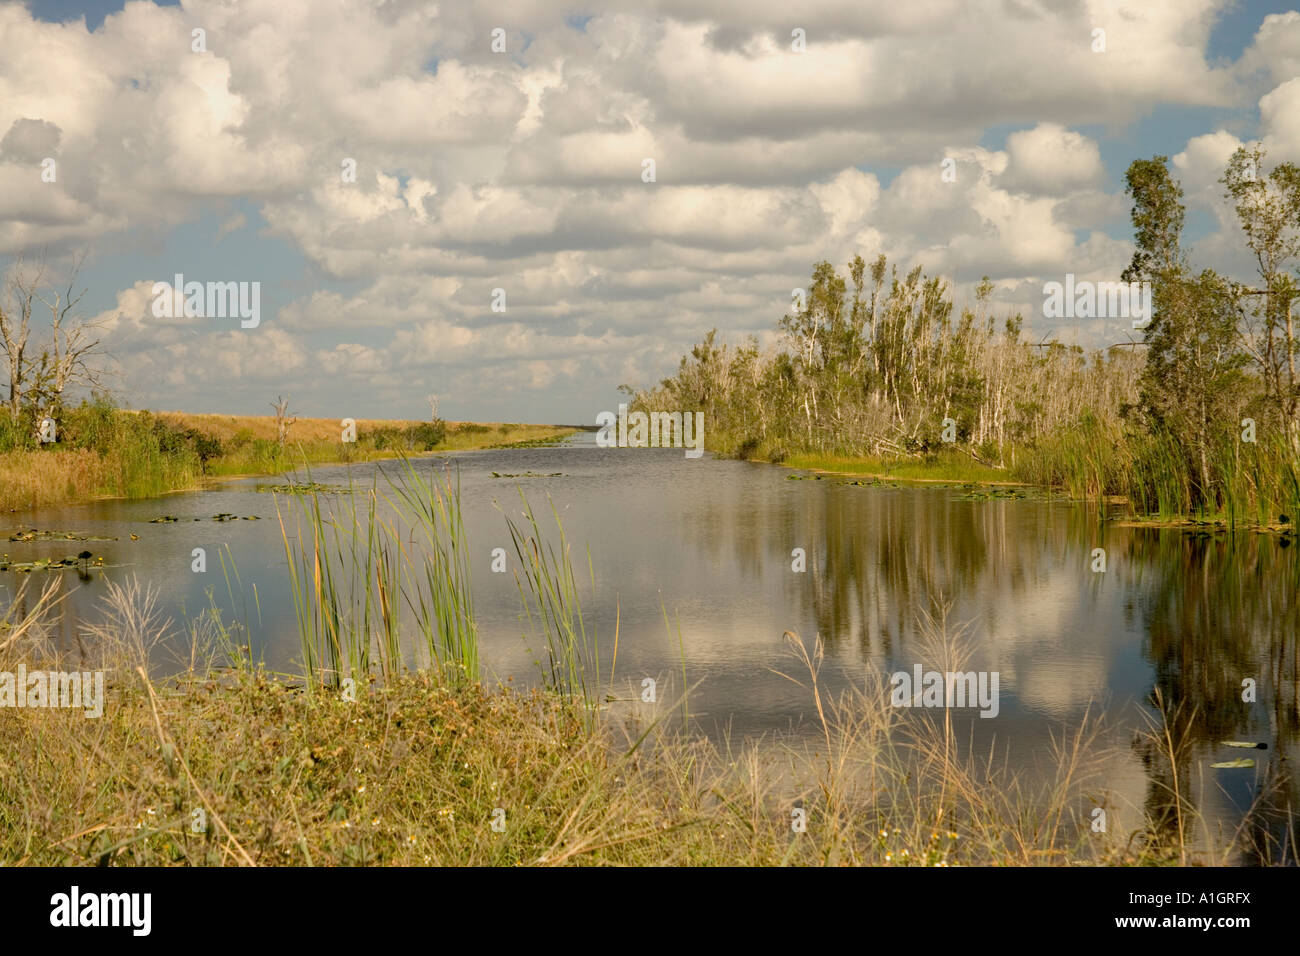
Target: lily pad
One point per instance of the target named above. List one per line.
(33, 534)
(48, 564)
(306, 488)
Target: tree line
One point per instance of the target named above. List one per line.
(1202, 414)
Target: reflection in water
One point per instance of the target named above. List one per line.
(1175, 625)
(1220, 618)
(1185, 616)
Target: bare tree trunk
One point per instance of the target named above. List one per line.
(15, 330)
(282, 419)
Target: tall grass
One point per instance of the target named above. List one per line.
(549, 592)
(103, 450)
(383, 583)
(1250, 482)
(380, 575)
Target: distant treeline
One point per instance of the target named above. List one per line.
(1201, 416)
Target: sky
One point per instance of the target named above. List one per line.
(223, 156)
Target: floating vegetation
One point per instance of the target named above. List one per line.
(1245, 744)
(172, 519)
(990, 494)
(532, 442)
(527, 474)
(306, 488)
(81, 560)
(871, 483)
(1238, 764)
(34, 535)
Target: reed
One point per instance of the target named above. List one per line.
(549, 591)
(384, 584)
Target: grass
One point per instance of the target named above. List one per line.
(1252, 484)
(30, 479)
(104, 451)
(372, 573)
(250, 447)
(953, 466)
(429, 765)
(549, 593)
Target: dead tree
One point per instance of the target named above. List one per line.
(65, 356)
(282, 418)
(64, 363)
(16, 329)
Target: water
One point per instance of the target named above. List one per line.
(707, 545)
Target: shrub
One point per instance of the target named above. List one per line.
(427, 435)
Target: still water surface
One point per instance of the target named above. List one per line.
(709, 543)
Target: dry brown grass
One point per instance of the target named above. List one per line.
(37, 479)
(226, 427)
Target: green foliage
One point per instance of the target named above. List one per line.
(424, 436)
(872, 372)
(1157, 216)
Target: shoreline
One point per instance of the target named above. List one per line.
(1282, 529)
(235, 447)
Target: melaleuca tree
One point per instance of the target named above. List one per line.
(1194, 360)
(1268, 209)
(1193, 371)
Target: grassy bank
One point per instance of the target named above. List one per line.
(416, 771)
(1259, 485)
(942, 468)
(108, 452)
(388, 748)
